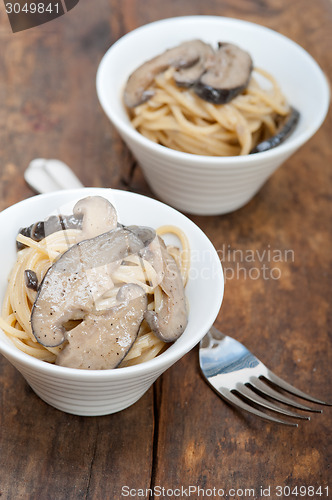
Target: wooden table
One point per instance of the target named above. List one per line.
(180, 434)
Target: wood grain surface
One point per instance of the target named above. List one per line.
(180, 433)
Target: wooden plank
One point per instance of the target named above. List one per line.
(45, 453)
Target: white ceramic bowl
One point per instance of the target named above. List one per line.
(100, 392)
(202, 184)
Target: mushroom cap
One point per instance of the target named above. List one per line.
(185, 55)
(286, 128)
(99, 216)
(227, 74)
(93, 215)
(76, 280)
(40, 229)
(216, 76)
(187, 76)
(102, 340)
(171, 320)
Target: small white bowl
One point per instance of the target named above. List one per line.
(208, 185)
(100, 392)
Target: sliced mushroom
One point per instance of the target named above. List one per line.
(80, 277)
(102, 340)
(185, 55)
(171, 320)
(99, 216)
(38, 230)
(93, 215)
(144, 233)
(287, 127)
(152, 253)
(188, 76)
(227, 74)
(31, 280)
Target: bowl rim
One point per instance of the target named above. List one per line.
(292, 143)
(157, 364)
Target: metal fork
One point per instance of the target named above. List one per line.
(244, 381)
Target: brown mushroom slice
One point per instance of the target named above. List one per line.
(144, 233)
(171, 320)
(103, 339)
(227, 74)
(188, 76)
(185, 55)
(31, 280)
(99, 216)
(93, 215)
(40, 229)
(80, 277)
(286, 128)
(152, 253)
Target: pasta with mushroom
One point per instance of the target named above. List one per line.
(99, 295)
(198, 100)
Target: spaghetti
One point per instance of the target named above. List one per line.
(177, 118)
(39, 256)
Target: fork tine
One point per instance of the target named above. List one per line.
(248, 393)
(293, 390)
(258, 384)
(236, 401)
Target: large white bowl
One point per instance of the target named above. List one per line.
(203, 184)
(100, 392)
